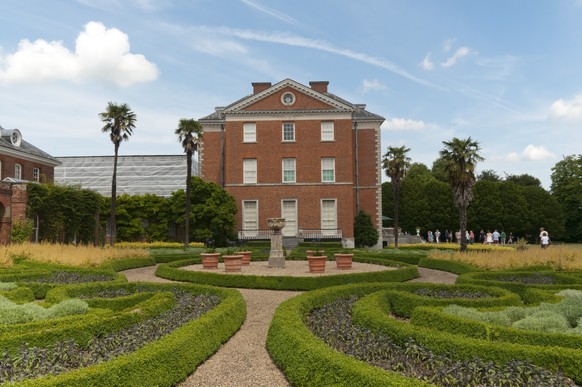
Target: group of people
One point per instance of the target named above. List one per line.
(488, 238)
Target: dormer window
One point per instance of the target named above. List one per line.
(15, 136)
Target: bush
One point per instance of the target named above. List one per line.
(365, 234)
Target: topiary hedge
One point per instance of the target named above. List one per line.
(164, 362)
(521, 282)
(445, 265)
(172, 271)
(307, 361)
(432, 317)
(373, 312)
(403, 299)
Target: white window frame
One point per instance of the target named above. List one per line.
(250, 132)
(327, 131)
(18, 171)
(36, 175)
(288, 131)
(249, 171)
(250, 221)
(328, 223)
(288, 165)
(327, 165)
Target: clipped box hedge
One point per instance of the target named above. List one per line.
(560, 281)
(403, 301)
(307, 361)
(446, 265)
(167, 361)
(172, 271)
(372, 311)
(435, 318)
(82, 328)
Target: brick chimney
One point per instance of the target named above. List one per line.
(260, 86)
(319, 86)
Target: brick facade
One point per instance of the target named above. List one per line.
(33, 165)
(354, 152)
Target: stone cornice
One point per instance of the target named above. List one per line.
(281, 85)
(29, 157)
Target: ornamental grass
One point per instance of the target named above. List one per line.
(71, 255)
(559, 257)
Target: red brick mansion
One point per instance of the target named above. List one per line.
(297, 152)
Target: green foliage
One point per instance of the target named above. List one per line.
(172, 271)
(142, 218)
(163, 362)
(22, 231)
(12, 313)
(560, 317)
(365, 234)
(66, 214)
(4, 286)
(566, 187)
(212, 212)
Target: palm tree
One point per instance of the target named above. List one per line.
(189, 132)
(119, 122)
(460, 158)
(395, 163)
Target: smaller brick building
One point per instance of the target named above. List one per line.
(297, 152)
(20, 163)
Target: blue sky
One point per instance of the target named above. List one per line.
(506, 73)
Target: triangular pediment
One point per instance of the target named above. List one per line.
(305, 99)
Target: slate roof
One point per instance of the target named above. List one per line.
(24, 149)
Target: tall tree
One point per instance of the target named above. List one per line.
(119, 122)
(566, 187)
(395, 163)
(460, 158)
(189, 133)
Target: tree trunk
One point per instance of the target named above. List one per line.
(113, 228)
(188, 189)
(463, 224)
(395, 201)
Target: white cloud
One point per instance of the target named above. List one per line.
(448, 44)
(512, 157)
(404, 124)
(426, 63)
(372, 85)
(529, 153)
(460, 53)
(532, 152)
(568, 110)
(101, 54)
(288, 39)
(270, 11)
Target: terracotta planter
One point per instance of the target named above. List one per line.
(232, 263)
(210, 260)
(344, 261)
(246, 257)
(316, 263)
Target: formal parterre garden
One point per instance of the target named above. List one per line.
(513, 318)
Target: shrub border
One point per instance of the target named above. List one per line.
(169, 360)
(172, 271)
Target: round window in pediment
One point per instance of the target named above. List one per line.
(288, 99)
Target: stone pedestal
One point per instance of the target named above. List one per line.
(276, 257)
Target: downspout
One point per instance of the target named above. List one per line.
(357, 182)
(222, 157)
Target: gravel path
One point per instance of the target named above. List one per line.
(243, 360)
